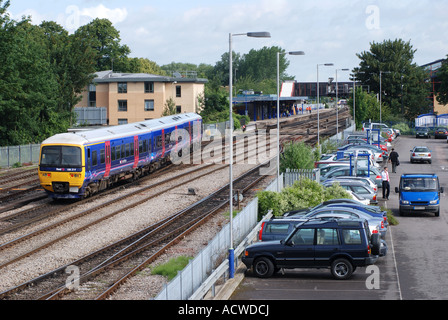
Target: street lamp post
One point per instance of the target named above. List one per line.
(231, 249)
(293, 53)
(354, 96)
(381, 93)
(337, 102)
(318, 100)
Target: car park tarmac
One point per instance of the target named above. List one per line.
(414, 268)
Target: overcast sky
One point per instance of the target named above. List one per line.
(197, 31)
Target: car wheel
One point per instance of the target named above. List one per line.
(341, 269)
(429, 161)
(376, 244)
(438, 213)
(263, 268)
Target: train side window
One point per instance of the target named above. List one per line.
(140, 146)
(112, 154)
(118, 153)
(131, 149)
(159, 141)
(88, 159)
(167, 138)
(102, 156)
(94, 158)
(123, 151)
(127, 150)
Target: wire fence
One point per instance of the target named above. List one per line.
(19, 155)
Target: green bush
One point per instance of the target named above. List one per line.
(304, 193)
(172, 267)
(297, 156)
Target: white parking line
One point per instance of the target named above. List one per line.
(393, 254)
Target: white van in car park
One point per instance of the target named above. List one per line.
(376, 126)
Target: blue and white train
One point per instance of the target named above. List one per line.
(79, 164)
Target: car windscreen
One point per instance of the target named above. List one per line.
(420, 184)
(61, 156)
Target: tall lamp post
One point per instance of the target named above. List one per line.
(337, 102)
(354, 95)
(292, 53)
(253, 35)
(381, 92)
(318, 100)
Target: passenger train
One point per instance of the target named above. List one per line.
(78, 164)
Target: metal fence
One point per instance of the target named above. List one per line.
(199, 268)
(91, 115)
(9, 156)
(293, 175)
(203, 265)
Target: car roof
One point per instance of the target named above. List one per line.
(419, 175)
(346, 182)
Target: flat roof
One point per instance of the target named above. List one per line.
(110, 76)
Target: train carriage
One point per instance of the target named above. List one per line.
(76, 165)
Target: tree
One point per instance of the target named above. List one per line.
(169, 108)
(404, 88)
(367, 107)
(255, 70)
(105, 40)
(442, 88)
(72, 62)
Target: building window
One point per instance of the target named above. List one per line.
(178, 91)
(122, 121)
(178, 109)
(122, 87)
(149, 87)
(122, 105)
(149, 105)
(92, 95)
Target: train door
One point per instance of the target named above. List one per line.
(108, 160)
(136, 152)
(163, 143)
(176, 137)
(88, 161)
(189, 130)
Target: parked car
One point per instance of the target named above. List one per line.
(372, 173)
(341, 245)
(358, 198)
(376, 221)
(366, 180)
(421, 154)
(358, 187)
(382, 149)
(422, 133)
(280, 228)
(419, 193)
(440, 133)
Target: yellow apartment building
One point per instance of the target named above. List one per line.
(133, 97)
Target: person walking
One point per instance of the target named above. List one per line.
(393, 158)
(386, 183)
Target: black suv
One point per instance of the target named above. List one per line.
(341, 245)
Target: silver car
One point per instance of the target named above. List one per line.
(366, 180)
(373, 174)
(421, 154)
(375, 224)
(358, 187)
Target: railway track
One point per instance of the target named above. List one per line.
(114, 260)
(144, 246)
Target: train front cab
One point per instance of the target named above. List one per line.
(61, 170)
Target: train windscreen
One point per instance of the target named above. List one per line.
(61, 156)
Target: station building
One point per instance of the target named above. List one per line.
(295, 98)
(432, 69)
